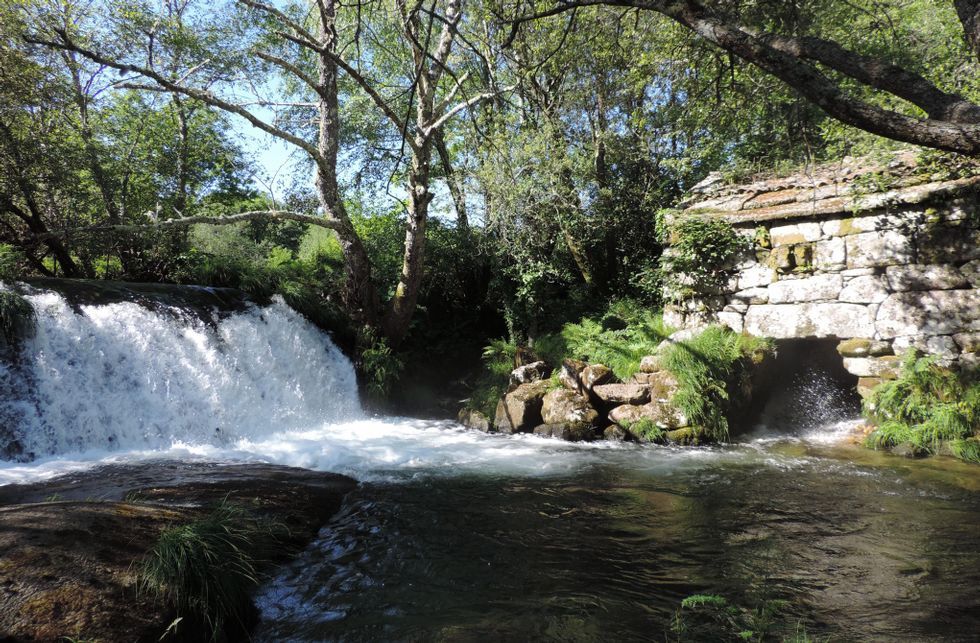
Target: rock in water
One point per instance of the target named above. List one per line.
(520, 410)
(562, 406)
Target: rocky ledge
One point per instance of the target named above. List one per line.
(70, 547)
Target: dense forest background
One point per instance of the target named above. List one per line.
(460, 173)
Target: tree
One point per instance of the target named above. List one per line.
(306, 48)
(812, 66)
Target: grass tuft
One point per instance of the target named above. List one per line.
(207, 568)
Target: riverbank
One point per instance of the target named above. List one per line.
(70, 548)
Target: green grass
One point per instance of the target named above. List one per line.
(928, 408)
(707, 366)
(710, 617)
(207, 568)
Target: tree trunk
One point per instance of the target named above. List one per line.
(969, 14)
(362, 294)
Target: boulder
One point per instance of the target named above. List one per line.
(968, 342)
(568, 431)
(562, 406)
(520, 410)
(615, 433)
(595, 375)
(474, 420)
(662, 386)
(570, 374)
(623, 393)
(650, 364)
(528, 373)
(866, 385)
(662, 414)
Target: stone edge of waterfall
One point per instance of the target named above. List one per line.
(69, 561)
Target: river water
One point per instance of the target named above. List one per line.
(455, 535)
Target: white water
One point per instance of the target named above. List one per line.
(122, 383)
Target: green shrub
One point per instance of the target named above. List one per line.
(707, 366)
(207, 568)
(646, 429)
(381, 367)
(701, 255)
(621, 349)
(17, 317)
(928, 408)
(709, 617)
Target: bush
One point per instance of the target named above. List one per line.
(708, 366)
(709, 617)
(701, 256)
(208, 567)
(929, 408)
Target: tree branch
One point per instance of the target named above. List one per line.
(208, 97)
(253, 215)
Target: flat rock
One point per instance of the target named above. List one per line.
(623, 393)
(67, 567)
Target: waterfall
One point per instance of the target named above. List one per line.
(125, 375)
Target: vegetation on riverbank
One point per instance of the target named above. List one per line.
(710, 617)
(208, 568)
(928, 409)
(16, 317)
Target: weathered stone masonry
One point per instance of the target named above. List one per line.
(883, 259)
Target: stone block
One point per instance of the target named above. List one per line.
(948, 245)
(830, 254)
(928, 312)
(857, 347)
(971, 272)
(942, 345)
(866, 385)
(783, 321)
(794, 233)
(924, 277)
(882, 248)
(886, 367)
(968, 342)
(817, 288)
(733, 320)
(753, 295)
(866, 289)
(756, 277)
(520, 410)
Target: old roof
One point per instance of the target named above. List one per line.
(851, 185)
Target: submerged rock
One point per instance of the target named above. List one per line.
(569, 431)
(520, 410)
(473, 419)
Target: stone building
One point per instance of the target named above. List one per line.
(881, 257)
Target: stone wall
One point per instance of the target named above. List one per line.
(883, 268)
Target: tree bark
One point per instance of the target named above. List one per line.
(969, 15)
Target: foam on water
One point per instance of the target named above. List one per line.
(123, 383)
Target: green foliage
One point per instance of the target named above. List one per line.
(207, 568)
(710, 617)
(701, 256)
(13, 263)
(498, 362)
(708, 367)
(646, 429)
(17, 317)
(621, 349)
(381, 367)
(928, 408)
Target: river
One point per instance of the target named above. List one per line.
(460, 536)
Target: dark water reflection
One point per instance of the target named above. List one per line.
(880, 549)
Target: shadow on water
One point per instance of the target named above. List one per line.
(863, 551)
